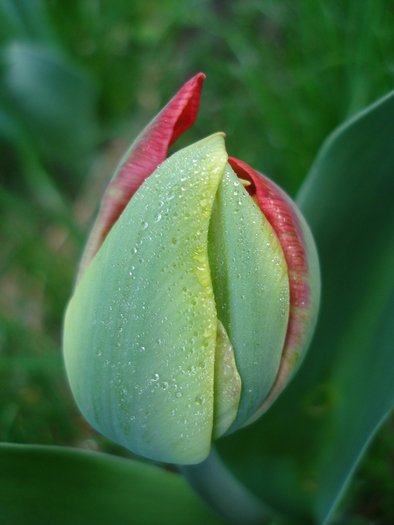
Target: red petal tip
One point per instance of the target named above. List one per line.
(149, 150)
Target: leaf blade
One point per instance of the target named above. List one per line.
(46, 484)
(301, 453)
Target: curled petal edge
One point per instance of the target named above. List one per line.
(301, 257)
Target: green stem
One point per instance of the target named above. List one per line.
(212, 480)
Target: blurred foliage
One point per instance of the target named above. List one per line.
(79, 79)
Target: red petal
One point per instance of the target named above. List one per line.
(146, 153)
(281, 213)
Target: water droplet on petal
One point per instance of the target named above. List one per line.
(200, 400)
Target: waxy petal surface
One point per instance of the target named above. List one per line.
(140, 331)
(141, 160)
(227, 385)
(303, 267)
(251, 287)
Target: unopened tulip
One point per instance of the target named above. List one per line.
(196, 298)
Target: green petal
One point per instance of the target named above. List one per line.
(251, 286)
(140, 330)
(227, 384)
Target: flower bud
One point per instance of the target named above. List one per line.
(196, 298)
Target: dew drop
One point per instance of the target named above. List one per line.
(200, 400)
(228, 372)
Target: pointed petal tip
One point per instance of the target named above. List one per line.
(188, 98)
(212, 139)
(143, 157)
(200, 76)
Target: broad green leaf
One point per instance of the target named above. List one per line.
(140, 330)
(45, 485)
(298, 457)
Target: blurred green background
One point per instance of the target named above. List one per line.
(80, 78)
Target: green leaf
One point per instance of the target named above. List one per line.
(45, 485)
(298, 457)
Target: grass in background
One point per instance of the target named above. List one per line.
(80, 79)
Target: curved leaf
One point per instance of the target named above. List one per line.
(44, 485)
(300, 454)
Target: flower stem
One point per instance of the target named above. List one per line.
(213, 481)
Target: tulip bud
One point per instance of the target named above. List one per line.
(196, 298)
